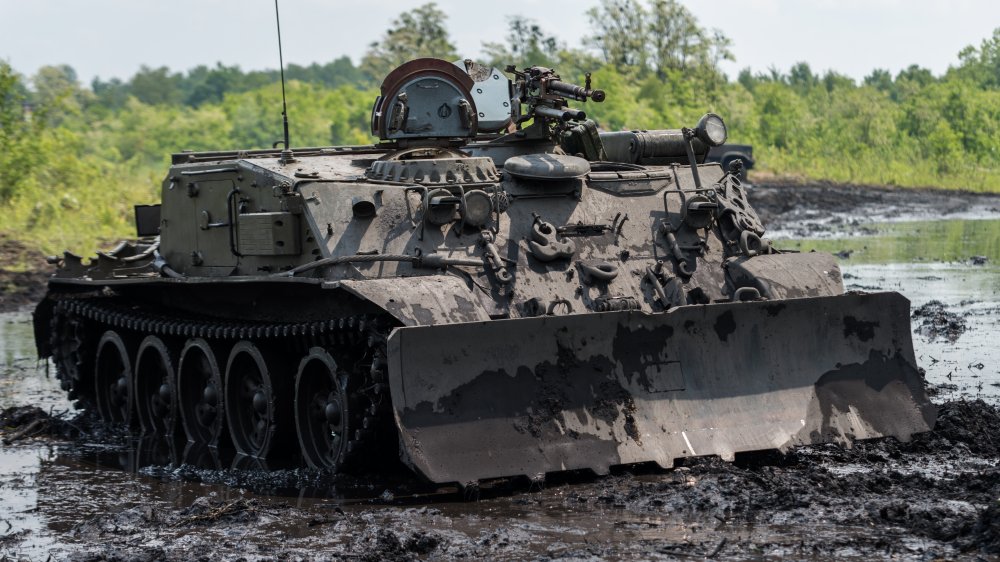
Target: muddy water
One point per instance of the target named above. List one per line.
(72, 499)
(970, 365)
(955, 262)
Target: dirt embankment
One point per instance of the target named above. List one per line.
(23, 274)
(778, 201)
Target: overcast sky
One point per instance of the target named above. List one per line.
(112, 38)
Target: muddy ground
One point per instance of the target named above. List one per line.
(936, 497)
(933, 498)
(813, 210)
(23, 273)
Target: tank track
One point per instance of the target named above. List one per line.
(121, 315)
(360, 339)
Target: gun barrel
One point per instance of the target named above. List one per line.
(565, 114)
(574, 91)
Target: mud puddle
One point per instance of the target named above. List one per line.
(941, 249)
(934, 497)
(955, 321)
(83, 498)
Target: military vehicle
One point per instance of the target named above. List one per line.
(494, 289)
(727, 155)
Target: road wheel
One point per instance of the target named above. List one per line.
(155, 388)
(201, 400)
(256, 415)
(113, 379)
(322, 410)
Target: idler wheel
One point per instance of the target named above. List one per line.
(201, 400)
(155, 388)
(322, 410)
(71, 342)
(113, 379)
(257, 417)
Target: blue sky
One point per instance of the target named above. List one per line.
(112, 38)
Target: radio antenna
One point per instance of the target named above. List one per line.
(286, 153)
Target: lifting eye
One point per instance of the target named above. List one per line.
(597, 272)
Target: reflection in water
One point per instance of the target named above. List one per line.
(970, 366)
(24, 379)
(904, 242)
(925, 261)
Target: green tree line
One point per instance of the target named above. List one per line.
(74, 158)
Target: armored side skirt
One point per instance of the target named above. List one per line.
(528, 396)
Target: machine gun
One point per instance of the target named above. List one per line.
(544, 94)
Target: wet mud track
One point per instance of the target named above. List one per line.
(934, 497)
(74, 490)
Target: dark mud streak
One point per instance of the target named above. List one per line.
(423, 315)
(861, 329)
(725, 325)
(533, 398)
(491, 394)
(774, 310)
(638, 349)
(463, 311)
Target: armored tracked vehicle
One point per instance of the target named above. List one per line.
(495, 289)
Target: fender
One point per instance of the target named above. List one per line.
(421, 301)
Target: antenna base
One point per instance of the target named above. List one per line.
(287, 157)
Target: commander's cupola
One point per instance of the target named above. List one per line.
(427, 109)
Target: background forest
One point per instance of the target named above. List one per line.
(74, 158)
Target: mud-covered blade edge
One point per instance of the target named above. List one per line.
(529, 396)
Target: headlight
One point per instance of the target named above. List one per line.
(477, 208)
(711, 130)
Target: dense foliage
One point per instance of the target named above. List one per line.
(73, 159)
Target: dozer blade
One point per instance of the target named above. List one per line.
(484, 400)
